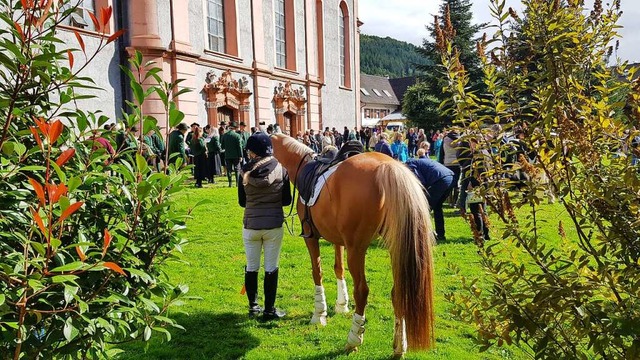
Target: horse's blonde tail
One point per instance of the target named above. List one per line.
(407, 232)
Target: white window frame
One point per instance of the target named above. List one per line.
(221, 38)
(280, 44)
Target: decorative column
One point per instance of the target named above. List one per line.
(286, 99)
(224, 91)
(145, 38)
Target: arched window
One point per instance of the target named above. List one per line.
(285, 34)
(221, 26)
(345, 46)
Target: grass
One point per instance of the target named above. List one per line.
(217, 326)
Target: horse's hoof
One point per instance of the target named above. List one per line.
(319, 320)
(350, 348)
(398, 355)
(342, 308)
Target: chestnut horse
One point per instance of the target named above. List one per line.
(371, 195)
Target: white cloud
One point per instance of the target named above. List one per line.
(406, 20)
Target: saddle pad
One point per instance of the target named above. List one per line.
(317, 188)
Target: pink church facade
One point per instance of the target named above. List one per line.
(291, 62)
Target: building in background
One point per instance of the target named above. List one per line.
(381, 99)
(291, 62)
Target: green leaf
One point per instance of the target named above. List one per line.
(164, 331)
(74, 183)
(69, 331)
(138, 92)
(2, 299)
(59, 279)
(150, 304)
(147, 333)
(77, 265)
(141, 163)
(175, 117)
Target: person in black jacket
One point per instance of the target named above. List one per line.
(263, 190)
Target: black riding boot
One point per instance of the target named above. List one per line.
(270, 290)
(251, 286)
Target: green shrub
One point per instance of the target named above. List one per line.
(576, 295)
(82, 237)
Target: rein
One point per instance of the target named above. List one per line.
(293, 197)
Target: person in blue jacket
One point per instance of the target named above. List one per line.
(383, 145)
(399, 149)
(438, 182)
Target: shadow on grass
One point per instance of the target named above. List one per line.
(456, 240)
(337, 353)
(207, 336)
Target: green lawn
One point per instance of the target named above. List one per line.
(217, 326)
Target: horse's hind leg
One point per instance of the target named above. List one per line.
(342, 302)
(360, 295)
(320, 303)
(399, 333)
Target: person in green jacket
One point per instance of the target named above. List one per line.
(176, 144)
(199, 152)
(244, 134)
(160, 146)
(213, 155)
(149, 151)
(231, 143)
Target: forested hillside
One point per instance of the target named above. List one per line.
(387, 56)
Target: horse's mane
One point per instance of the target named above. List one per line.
(294, 146)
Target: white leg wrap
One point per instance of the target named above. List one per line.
(342, 303)
(356, 334)
(399, 338)
(320, 307)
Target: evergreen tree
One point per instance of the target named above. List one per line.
(464, 41)
(388, 57)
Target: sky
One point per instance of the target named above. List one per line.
(406, 20)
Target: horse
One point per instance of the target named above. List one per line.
(370, 195)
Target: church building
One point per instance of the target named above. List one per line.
(291, 62)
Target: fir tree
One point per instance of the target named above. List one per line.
(459, 11)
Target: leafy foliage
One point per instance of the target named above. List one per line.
(422, 107)
(569, 296)
(388, 57)
(83, 233)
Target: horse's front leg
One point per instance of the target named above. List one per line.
(355, 258)
(342, 302)
(320, 303)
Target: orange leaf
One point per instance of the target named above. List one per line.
(83, 257)
(39, 190)
(34, 131)
(19, 30)
(95, 21)
(70, 210)
(70, 56)
(105, 15)
(116, 35)
(24, 4)
(80, 41)
(115, 267)
(65, 156)
(40, 223)
(55, 131)
(55, 192)
(107, 242)
(43, 126)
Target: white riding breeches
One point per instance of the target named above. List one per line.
(255, 240)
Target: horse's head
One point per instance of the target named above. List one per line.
(291, 153)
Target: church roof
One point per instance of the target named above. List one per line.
(381, 90)
(377, 90)
(400, 86)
